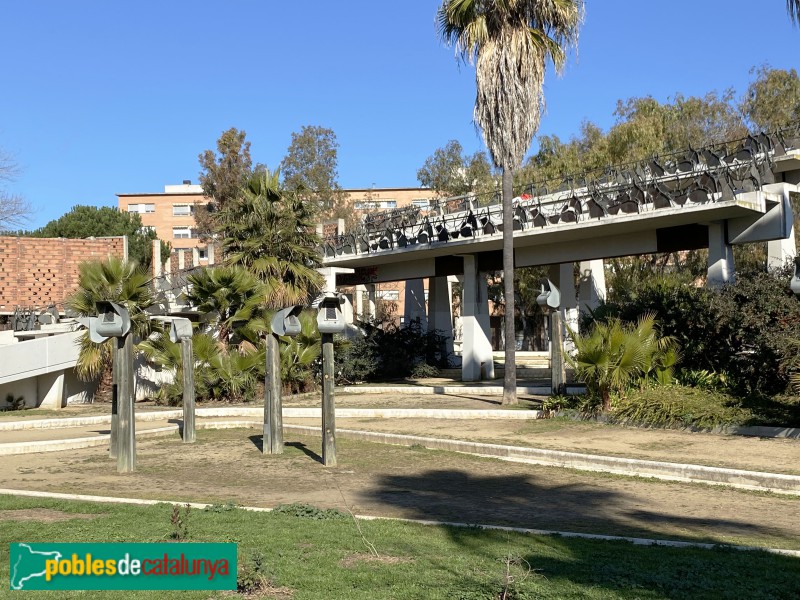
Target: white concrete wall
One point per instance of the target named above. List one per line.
(148, 380)
(27, 388)
(32, 358)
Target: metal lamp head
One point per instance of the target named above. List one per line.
(330, 318)
(286, 322)
(180, 329)
(795, 283)
(550, 296)
(113, 320)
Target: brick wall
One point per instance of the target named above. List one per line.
(37, 272)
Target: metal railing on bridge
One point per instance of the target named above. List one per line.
(713, 173)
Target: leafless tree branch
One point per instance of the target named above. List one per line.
(14, 209)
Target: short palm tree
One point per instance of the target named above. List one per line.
(298, 354)
(509, 41)
(232, 297)
(117, 281)
(614, 356)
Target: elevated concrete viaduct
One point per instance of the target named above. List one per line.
(741, 198)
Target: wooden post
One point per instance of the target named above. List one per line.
(272, 442)
(187, 354)
(328, 405)
(126, 457)
(114, 438)
(557, 374)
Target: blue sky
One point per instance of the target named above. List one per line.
(101, 97)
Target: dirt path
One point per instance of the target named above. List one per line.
(415, 483)
(777, 455)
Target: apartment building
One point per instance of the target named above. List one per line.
(170, 214)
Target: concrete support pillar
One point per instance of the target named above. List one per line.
(181, 260)
(158, 267)
(210, 253)
(720, 256)
(360, 303)
(592, 285)
(371, 301)
(563, 276)
(329, 274)
(476, 350)
(440, 310)
(414, 310)
(51, 390)
(781, 252)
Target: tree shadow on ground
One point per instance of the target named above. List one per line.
(695, 573)
(258, 442)
(530, 501)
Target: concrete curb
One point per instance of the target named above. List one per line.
(67, 422)
(482, 390)
(748, 480)
(289, 412)
(737, 478)
(102, 439)
(429, 523)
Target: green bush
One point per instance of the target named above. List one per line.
(743, 331)
(703, 379)
(390, 352)
(309, 511)
(424, 370)
(678, 406)
(615, 356)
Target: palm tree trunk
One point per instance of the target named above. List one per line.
(510, 377)
(105, 385)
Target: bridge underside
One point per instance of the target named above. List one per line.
(713, 198)
(749, 217)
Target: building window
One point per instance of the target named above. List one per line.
(182, 233)
(373, 204)
(422, 203)
(388, 294)
(182, 210)
(141, 208)
(146, 229)
(202, 253)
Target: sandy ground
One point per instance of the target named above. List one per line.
(375, 479)
(735, 452)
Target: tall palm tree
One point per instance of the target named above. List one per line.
(113, 280)
(793, 6)
(269, 231)
(509, 42)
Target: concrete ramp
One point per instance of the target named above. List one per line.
(40, 371)
(31, 358)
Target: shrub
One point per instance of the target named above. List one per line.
(615, 355)
(15, 403)
(390, 352)
(703, 379)
(743, 330)
(679, 406)
(424, 370)
(308, 511)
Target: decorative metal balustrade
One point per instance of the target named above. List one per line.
(710, 174)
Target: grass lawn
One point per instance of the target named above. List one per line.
(318, 557)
